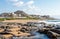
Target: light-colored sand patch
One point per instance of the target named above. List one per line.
(7, 35)
(21, 21)
(1, 30)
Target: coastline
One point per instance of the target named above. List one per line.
(21, 21)
(15, 29)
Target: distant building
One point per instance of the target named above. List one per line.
(45, 16)
(35, 16)
(22, 14)
(17, 14)
(6, 15)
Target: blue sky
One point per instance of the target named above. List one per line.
(40, 7)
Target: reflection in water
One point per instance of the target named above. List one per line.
(38, 35)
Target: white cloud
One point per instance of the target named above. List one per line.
(13, 0)
(30, 2)
(21, 3)
(33, 9)
(18, 4)
(28, 6)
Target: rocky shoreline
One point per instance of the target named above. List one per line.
(12, 29)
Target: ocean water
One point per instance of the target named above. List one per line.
(52, 21)
(37, 35)
(40, 36)
(43, 36)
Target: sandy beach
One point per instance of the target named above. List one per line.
(14, 29)
(21, 21)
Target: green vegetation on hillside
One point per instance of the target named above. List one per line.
(28, 18)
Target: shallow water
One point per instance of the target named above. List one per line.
(40, 35)
(37, 35)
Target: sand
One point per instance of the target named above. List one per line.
(21, 21)
(14, 30)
